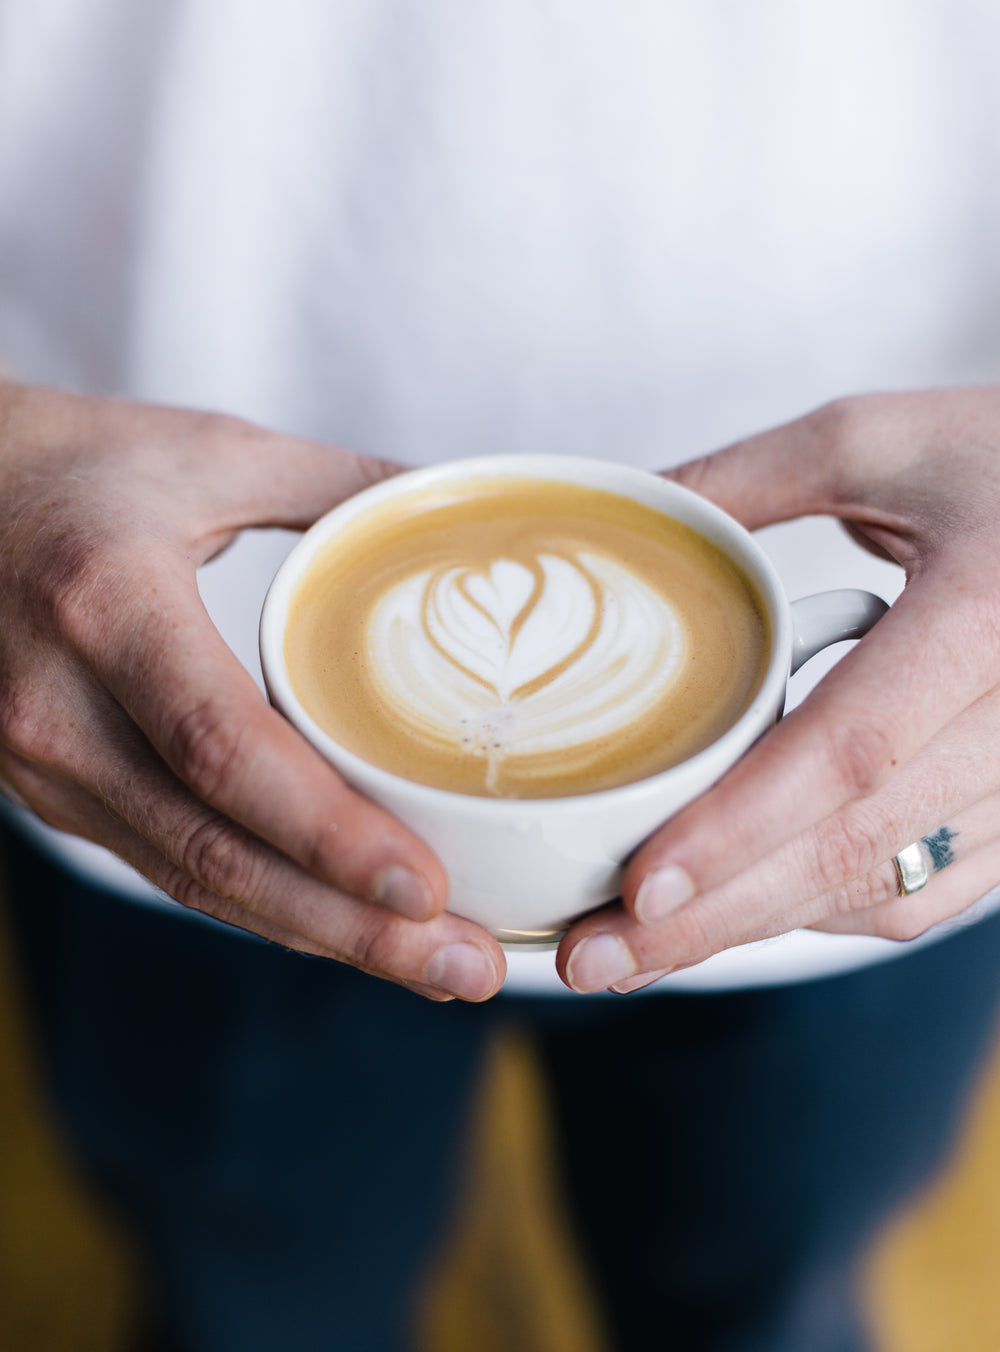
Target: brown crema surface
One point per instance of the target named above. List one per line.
(471, 526)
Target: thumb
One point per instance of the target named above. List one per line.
(278, 480)
(773, 476)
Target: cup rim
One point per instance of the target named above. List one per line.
(699, 512)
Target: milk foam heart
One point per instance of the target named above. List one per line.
(522, 659)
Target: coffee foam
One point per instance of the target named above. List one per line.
(523, 659)
(523, 638)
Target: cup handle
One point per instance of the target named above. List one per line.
(829, 617)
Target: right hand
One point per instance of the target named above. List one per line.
(125, 719)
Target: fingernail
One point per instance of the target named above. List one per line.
(661, 892)
(404, 892)
(463, 970)
(429, 992)
(636, 983)
(599, 962)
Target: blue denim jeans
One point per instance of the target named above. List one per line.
(282, 1135)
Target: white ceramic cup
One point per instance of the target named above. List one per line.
(526, 868)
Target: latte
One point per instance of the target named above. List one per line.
(523, 638)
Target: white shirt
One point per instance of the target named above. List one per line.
(425, 231)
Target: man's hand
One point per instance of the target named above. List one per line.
(125, 719)
(901, 742)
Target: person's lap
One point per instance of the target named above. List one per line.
(283, 1133)
(741, 1151)
(280, 1132)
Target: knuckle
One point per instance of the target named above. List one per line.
(837, 417)
(180, 885)
(52, 801)
(219, 859)
(56, 814)
(867, 892)
(841, 431)
(879, 885)
(832, 430)
(372, 471)
(859, 756)
(692, 937)
(845, 849)
(27, 726)
(228, 434)
(843, 424)
(986, 634)
(78, 584)
(192, 894)
(218, 427)
(695, 474)
(376, 948)
(223, 437)
(206, 749)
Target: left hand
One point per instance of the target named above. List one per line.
(899, 743)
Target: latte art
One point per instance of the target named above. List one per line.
(522, 659)
(523, 638)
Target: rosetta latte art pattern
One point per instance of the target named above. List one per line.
(524, 658)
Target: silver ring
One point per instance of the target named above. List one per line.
(911, 870)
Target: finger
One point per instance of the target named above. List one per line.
(171, 672)
(860, 901)
(953, 779)
(211, 474)
(901, 919)
(100, 750)
(868, 717)
(211, 866)
(288, 481)
(802, 468)
(854, 458)
(840, 864)
(945, 897)
(875, 904)
(764, 478)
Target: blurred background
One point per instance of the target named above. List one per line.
(508, 1276)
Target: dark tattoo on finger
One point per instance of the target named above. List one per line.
(938, 846)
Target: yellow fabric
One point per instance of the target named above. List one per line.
(66, 1283)
(933, 1279)
(509, 1277)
